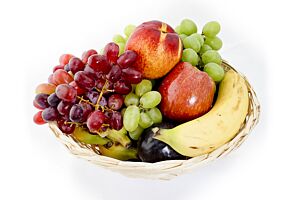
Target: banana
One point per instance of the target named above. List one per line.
(83, 135)
(215, 128)
(119, 152)
(119, 136)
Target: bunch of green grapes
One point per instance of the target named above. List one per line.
(202, 49)
(141, 111)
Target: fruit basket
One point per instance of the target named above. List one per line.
(169, 169)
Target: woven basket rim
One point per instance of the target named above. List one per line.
(87, 152)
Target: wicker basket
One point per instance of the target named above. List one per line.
(164, 170)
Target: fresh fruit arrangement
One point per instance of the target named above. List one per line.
(156, 94)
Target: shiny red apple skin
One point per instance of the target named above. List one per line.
(158, 46)
(187, 93)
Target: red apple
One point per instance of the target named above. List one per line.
(187, 93)
(158, 47)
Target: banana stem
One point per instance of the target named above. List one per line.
(120, 137)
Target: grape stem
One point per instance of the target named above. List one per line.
(86, 101)
(143, 109)
(103, 108)
(101, 94)
(76, 123)
(98, 90)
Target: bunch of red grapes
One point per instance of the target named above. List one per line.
(88, 91)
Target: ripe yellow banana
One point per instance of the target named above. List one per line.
(215, 128)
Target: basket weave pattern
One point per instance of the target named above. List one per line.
(164, 170)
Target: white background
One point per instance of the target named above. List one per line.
(261, 38)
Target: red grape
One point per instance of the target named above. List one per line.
(100, 83)
(85, 56)
(76, 113)
(65, 128)
(64, 108)
(53, 100)
(95, 121)
(50, 79)
(58, 67)
(50, 114)
(61, 76)
(79, 90)
(67, 68)
(116, 121)
(92, 73)
(45, 88)
(66, 93)
(37, 118)
(87, 109)
(103, 102)
(93, 97)
(64, 59)
(122, 87)
(127, 59)
(99, 63)
(132, 75)
(80, 112)
(115, 73)
(76, 65)
(84, 80)
(35, 104)
(111, 51)
(41, 100)
(115, 101)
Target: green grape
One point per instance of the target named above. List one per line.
(123, 111)
(215, 71)
(211, 56)
(182, 36)
(135, 135)
(129, 29)
(150, 99)
(118, 39)
(131, 99)
(145, 120)
(143, 87)
(204, 48)
(131, 118)
(215, 43)
(211, 29)
(188, 27)
(178, 30)
(189, 55)
(192, 43)
(155, 115)
(121, 48)
(199, 38)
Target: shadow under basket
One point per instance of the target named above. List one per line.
(164, 170)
